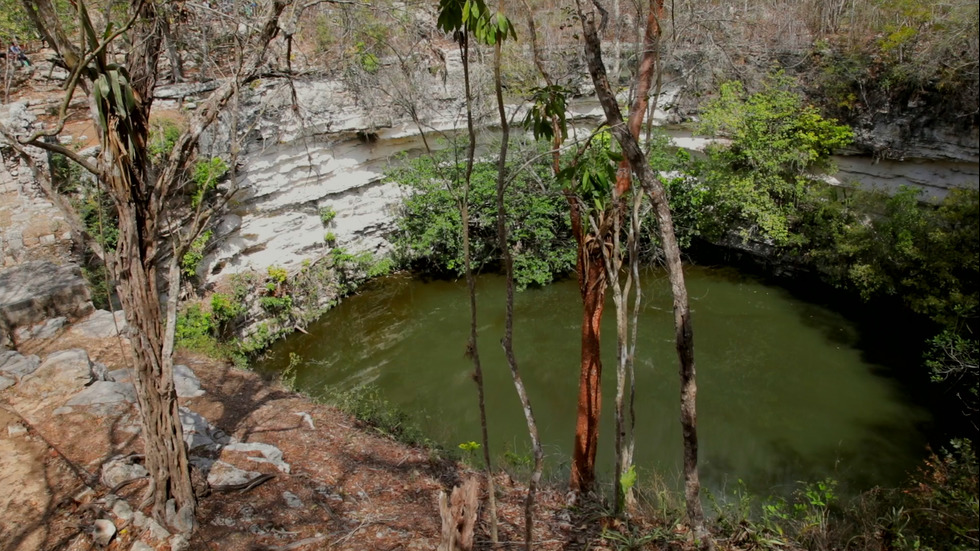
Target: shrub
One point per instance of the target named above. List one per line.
(206, 175)
(429, 235)
(327, 215)
(195, 254)
(763, 180)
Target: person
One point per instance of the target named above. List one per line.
(19, 55)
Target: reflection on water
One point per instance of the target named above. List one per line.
(785, 394)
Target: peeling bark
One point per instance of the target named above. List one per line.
(592, 287)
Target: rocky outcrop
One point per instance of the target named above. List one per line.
(32, 227)
(328, 153)
(34, 292)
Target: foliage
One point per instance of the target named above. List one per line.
(276, 305)
(225, 311)
(13, 21)
(195, 254)
(763, 180)
(942, 499)
(593, 176)
(98, 279)
(474, 16)
(429, 235)
(288, 376)
(100, 219)
(195, 328)
(547, 109)
(327, 215)
(164, 133)
(901, 53)
(366, 404)
(929, 256)
(205, 176)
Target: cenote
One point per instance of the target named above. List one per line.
(789, 390)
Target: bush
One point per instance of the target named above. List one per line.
(763, 181)
(206, 175)
(196, 329)
(429, 235)
(195, 254)
(327, 215)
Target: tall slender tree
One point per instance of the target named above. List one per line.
(461, 18)
(684, 332)
(499, 29)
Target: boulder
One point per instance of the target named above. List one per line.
(67, 370)
(44, 330)
(34, 292)
(199, 433)
(121, 469)
(104, 392)
(101, 324)
(267, 454)
(226, 474)
(15, 366)
(186, 382)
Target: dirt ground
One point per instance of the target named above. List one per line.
(351, 488)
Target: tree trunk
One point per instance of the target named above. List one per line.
(684, 333)
(507, 342)
(644, 77)
(592, 286)
(472, 349)
(622, 285)
(170, 41)
(458, 513)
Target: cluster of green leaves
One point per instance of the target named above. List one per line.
(926, 254)
(941, 504)
(935, 509)
(429, 235)
(762, 185)
(763, 179)
(593, 175)
(205, 326)
(327, 215)
(164, 133)
(195, 254)
(473, 16)
(13, 21)
(547, 108)
(206, 175)
(195, 329)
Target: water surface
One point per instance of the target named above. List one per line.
(786, 393)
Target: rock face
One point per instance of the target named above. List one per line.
(330, 153)
(31, 227)
(36, 291)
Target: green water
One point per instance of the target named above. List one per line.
(785, 393)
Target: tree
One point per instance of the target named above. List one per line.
(147, 201)
(462, 18)
(499, 29)
(684, 332)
